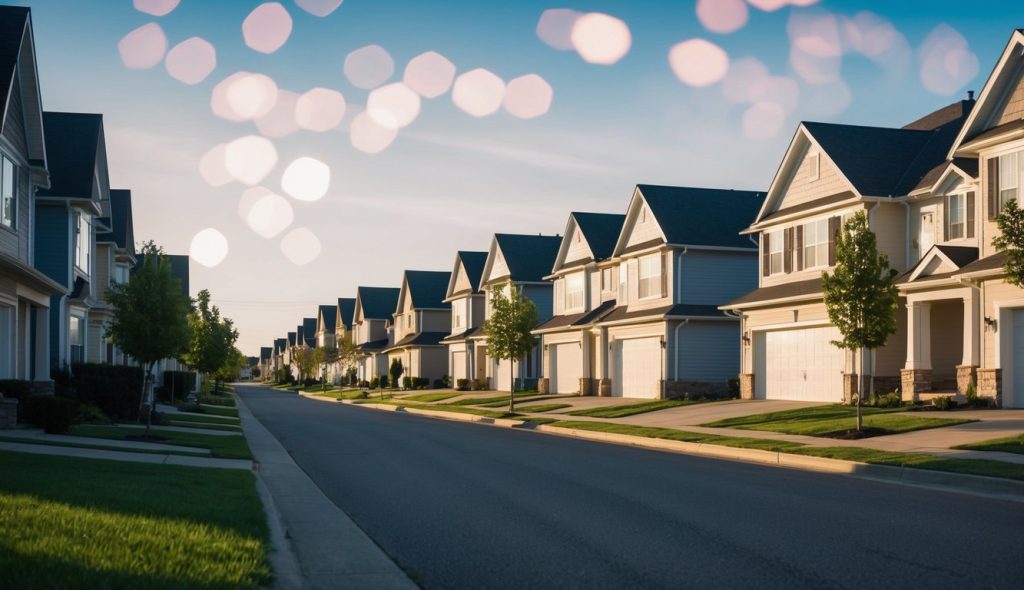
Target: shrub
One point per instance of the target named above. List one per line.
(53, 414)
(420, 382)
(888, 400)
(462, 384)
(440, 383)
(944, 402)
(16, 389)
(364, 384)
(733, 386)
(375, 383)
(407, 382)
(383, 381)
(92, 414)
(116, 390)
(973, 400)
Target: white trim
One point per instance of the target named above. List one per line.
(1016, 38)
(790, 326)
(1003, 310)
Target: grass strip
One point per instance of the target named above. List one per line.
(196, 417)
(441, 408)
(212, 411)
(476, 401)
(128, 525)
(1009, 444)
(621, 411)
(540, 408)
(433, 397)
(225, 447)
(835, 421)
(218, 400)
(504, 401)
(341, 394)
(100, 446)
(203, 425)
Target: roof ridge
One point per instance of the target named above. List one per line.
(880, 128)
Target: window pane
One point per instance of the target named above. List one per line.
(1008, 171)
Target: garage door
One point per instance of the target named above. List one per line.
(567, 368)
(503, 378)
(802, 365)
(459, 365)
(1016, 397)
(637, 368)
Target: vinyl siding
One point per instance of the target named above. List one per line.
(16, 243)
(53, 247)
(435, 320)
(705, 351)
(1013, 110)
(715, 278)
(997, 292)
(577, 250)
(803, 187)
(541, 296)
(462, 281)
(888, 221)
(641, 232)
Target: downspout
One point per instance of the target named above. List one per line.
(676, 350)
(679, 276)
(906, 236)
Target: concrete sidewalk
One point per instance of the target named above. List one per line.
(331, 551)
(38, 436)
(188, 461)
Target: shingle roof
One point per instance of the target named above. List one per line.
(300, 335)
(309, 331)
(427, 288)
(702, 216)
(991, 262)
(601, 230)
(461, 336)
(266, 352)
(330, 313)
(122, 231)
(280, 344)
(961, 256)
(799, 288)
(374, 345)
(473, 265)
(12, 30)
(292, 338)
(71, 153)
(529, 258)
(378, 303)
(348, 309)
(179, 269)
(578, 319)
(420, 339)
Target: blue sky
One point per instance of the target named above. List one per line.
(449, 180)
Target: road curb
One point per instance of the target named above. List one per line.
(1004, 489)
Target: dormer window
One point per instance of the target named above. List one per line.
(8, 194)
(776, 245)
(574, 292)
(813, 166)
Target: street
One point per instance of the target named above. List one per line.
(469, 506)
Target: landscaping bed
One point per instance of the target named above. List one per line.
(128, 525)
(837, 421)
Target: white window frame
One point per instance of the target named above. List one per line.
(8, 199)
(1010, 173)
(83, 242)
(607, 280)
(960, 208)
(574, 292)
(623, 295)
(818, 230)
(649, 274)
(776, 252)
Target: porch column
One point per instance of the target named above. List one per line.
(967, 370)
(41, 367)
(916, 377)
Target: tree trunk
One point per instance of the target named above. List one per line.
(146, 394)
(512, 387)
(172, 386)
(860, 393)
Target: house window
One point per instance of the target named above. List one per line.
(1009, 177)
(606, 280)
(120, 274)
(574, 292)
(83, 242)
(76, 338)
(956, 212)
(457, 316)
(8, 194)
(815, 236)
(650, 276)
(775, 249)
(623, 282)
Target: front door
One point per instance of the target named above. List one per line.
(926, 237)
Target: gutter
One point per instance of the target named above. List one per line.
(675, 369)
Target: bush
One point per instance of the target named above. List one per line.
(407, 382)
(92, 414)
(375, 383)
(182, 383)
(462, 384)
(441, 383)
(944, 402)
(973, 400)
(364, 384)
(888, 400)
(116, 390)
(420, 382)
(733, 386)
(383, 381)
(53, 414)
(16, 389)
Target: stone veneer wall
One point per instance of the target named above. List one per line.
(990, 384)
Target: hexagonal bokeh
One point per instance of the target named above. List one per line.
(722, 16)
(144, 47)
(209, 247)
(319, 8)
(156, 7)
(763, 120)
(393, 105)
(300, 246)
(191, 61)
(249, 159)
(320, 109)
(366, 135)
(478, 92)
(213, 167)
(601, 38)
(243, 96)
(555, 27)
(528, 96)
(306, 179)
(269, 215)
(280, 120)
(429, 74)
(368, 67)
(267, 27)
(698, 62)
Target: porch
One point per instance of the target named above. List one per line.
(943, 343)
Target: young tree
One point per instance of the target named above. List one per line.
(149, 317)
(395, 371)
(233, 365)
(1010, 242)
(212, 339)
(860, 294)
(305, 358)
(326, 358)
(508, 330)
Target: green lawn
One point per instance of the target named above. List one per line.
(538, 408)
(219, 411)
(441, 408)
(1009, 444)
(859, 454)
(218, 400)
(433, 397)
(339, 394)
(492, 401)
(99, 445)
(632, 409)
(196, 417)
(834, 420)
(226, 447)
(84, 523)
(503, 401)
(207, 426)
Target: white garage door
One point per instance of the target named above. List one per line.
(802, 365)
(566, 368)
(503, 375)
(1016, 397)
(637, 368)
(459, 365)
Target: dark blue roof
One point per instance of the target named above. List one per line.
(347, 305)
(330, 313)
(122, 231)
(601, 230)
(72, 144)
(427, 288)
(703, 216)
(473, 265)
(292, 338)
(280, 344)
(266, 352)
(529, 258)
(378, 303)
(12, 31)
(309, 331)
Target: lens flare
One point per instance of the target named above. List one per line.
(600, 38)
(156, 7)
(300, 246)
(252, 96)
(267, 27)
(320, 109)
(722, 16)
(698, 62)
(191, 61)
(369, 67)
(213, 166)
(249, 159)
(280, 120)
(143, 48)
(478, 92)
(947, 64)
(306, 179)
(429, 74)
(555, 27)
(528, 96)
(763, 120)
(368, 136)
(270, 215)
(209, 247)
(393, 105)
(319, 8)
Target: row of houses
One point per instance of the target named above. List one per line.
(65, 235)
(692, 287)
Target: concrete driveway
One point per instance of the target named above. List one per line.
(697, 414)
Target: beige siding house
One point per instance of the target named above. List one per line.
(421, 321)
(467, 303)
(372, 331)
(115, 257)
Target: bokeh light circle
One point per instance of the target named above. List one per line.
(306, 179)
(209, 247)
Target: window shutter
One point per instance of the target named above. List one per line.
(993, 188)
(970, 214)
(664, 273)
(766, 268)
(787, 250)
(799, 247)
(833, 229)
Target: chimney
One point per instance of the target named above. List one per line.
(970, 95)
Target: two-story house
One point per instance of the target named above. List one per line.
(115, 257)
(521, 261)
(585, 283)
(264, 362)
(371, 327)
(26, 293)
(676, 259)
(65, 215)
(467, 304)
(309, 331)
(326, 326)
(966, 322)
(278, 357)
(829, 173)
(421, 321)
(288, 356)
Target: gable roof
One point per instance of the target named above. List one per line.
(529, 258)
(179, 269)
(309, 331)
(293, 338)
(996, 85)
(697, 216)
(122, 230)
(472, 264)
(427, 288)
(601, 230)
(17, 48)
(73, 154)
(280, 344)
(330, 315)
(265, 352)
(950, 260)
(347, 305)
(378, 303)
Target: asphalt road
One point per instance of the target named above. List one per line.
(469, 506)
